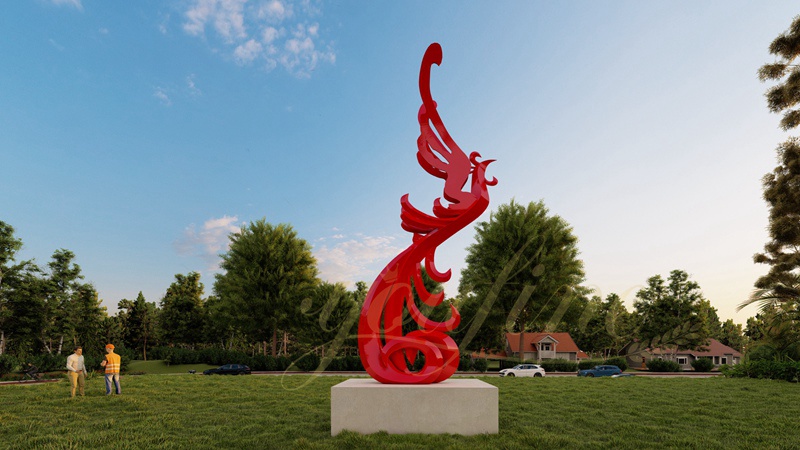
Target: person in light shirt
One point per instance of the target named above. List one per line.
(76, 371)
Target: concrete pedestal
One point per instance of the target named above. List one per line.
(457, 406)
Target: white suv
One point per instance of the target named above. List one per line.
(523, 370)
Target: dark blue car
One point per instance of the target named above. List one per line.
(229, 369)
(600, 371)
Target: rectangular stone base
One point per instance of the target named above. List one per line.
(457, 406)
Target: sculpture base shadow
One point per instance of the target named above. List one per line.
(454, 406)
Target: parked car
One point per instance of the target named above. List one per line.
(229, 369)
(600, 371)
(523, 370)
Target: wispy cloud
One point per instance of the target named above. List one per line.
(209, 241)
(356, 259)
(73, 3)
(161, 95)
(56, 45)
(193, 89)
(263, 33)
(162, 26)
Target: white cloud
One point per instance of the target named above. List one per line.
(103, 30)
(275, 11)
(193, 89)
(269, 34)
(162, 96)
(247, 52)
(162, 27)
(208, 242)
(74, 3)
(226, 16)
(264, 33)
(359, 259)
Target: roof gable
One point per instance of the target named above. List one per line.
(564, 342)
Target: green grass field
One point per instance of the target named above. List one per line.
(195, 411)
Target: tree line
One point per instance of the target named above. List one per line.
(523, 274)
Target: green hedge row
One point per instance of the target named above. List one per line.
(307, 362)
(559, 365)
(772, 370)
(618, 361)
(218, 357)
(663, 365)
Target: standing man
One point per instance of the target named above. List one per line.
(112, 364)
(77, 371)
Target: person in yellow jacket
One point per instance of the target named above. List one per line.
(112, 364)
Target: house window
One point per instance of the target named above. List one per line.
(546, 347)
(716, 360)
(724, 360)
(682, 360)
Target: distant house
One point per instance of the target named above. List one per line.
(715, 350)
(540, 346)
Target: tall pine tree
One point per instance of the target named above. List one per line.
(779, 289)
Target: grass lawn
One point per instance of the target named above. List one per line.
(195, 411)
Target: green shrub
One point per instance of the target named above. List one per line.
(619, 361)
(464, 364)
(8, 364)
(559, 365)
(773, 370)
(481, 364)
(354, 364)
(703, 365)
(761, 352)
(589, 363)
(50, 362)
(306, 363)
(663, 365)
(509, 363)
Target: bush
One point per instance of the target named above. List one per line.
(761, 352)
(703, 365)
(464, 364)
(773, 370)
(663, 365)
(306, 363)
(7, 364)
(589, 363)
(481, 364)
(509, 363)
(354, 364)
(50, 362)
(619, 361)
(559, 365)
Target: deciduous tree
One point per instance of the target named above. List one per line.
(523, 273)
(269, 270)
(183, 314)
(671, 314)
(139, 323)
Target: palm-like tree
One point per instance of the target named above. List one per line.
(780, 306)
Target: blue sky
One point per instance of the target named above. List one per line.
(139, 134)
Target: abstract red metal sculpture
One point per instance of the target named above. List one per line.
(381, 343)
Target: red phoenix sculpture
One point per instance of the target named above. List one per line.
(381, 343)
